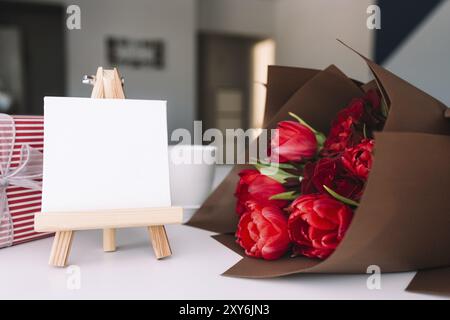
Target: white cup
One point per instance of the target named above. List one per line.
(192, 169)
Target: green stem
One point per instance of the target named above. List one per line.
(303, 122)
(343, 199)
(289, 195)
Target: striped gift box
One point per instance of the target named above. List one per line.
(24, 203)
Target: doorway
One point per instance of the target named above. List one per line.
(232, 71)
(32, 55)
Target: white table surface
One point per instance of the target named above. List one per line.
(192, 272)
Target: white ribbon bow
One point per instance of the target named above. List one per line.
(25, 174)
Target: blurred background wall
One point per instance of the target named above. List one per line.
(214, 53)
(173, 21)
(423, 56)
(245, 17)
(306, 33)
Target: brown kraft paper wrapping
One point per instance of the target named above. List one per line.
(403, 220)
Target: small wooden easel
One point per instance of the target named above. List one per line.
(107, 84)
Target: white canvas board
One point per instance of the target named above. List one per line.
(102, 154)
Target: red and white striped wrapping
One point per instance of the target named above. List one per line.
(24, 203)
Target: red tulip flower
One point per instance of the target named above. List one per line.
(373, 96)
(331, 173)
(292, 141)
(317, 224)
(344, 131)
(358, 160)
(263, 232)
(375, 112)
(253, 186)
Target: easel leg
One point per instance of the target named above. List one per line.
(109, 240)
(160, 243)
(61, 248)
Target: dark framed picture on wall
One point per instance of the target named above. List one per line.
(137, 53)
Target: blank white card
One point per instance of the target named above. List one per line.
(102, 154)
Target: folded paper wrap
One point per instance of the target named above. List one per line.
(403, 220)
(21, 146)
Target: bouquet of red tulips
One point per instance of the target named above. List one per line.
(301, 199)
(318, 204)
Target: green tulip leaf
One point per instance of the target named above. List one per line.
(365, 131)
(277, 165)
(342, 199)
(301, 121)
(289, 195)
(274, 172)
(384, 108)
(320, 137)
